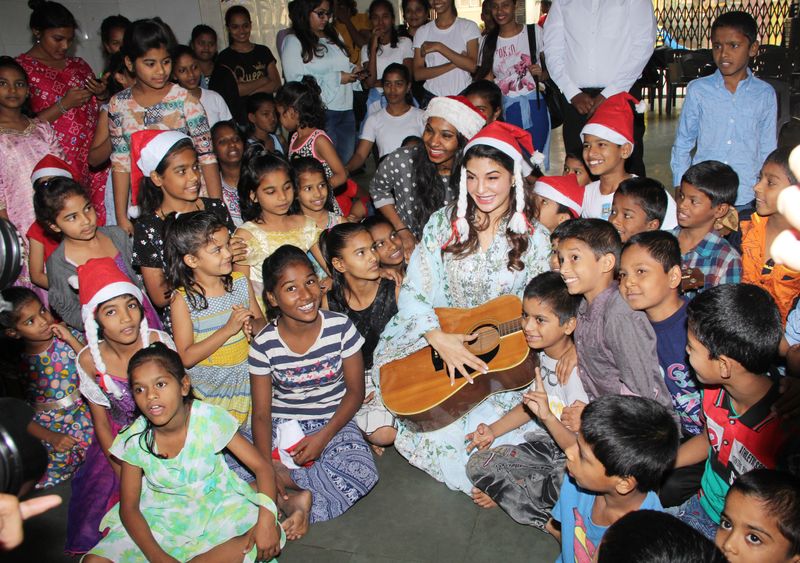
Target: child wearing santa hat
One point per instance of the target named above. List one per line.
(411, 183)
(116, 328)
(165, 179)
(480, 248)
(558, 199)
(607, 143)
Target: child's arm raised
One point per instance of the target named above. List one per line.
(130, 491)
(327, 152)
(310, 447)
(539, 405)
(60, 330)
(266, 533)
(192, 352)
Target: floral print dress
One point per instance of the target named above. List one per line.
(438, 279)
(192, 502)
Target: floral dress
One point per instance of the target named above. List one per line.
(438, 279)
(51, 379)
(95, 487)
(191, 502)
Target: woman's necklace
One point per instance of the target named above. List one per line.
(160, 211)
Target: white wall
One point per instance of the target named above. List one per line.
(181, 15)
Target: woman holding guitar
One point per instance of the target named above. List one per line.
(475, 250)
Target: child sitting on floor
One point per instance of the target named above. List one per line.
(524, 478)
(734, 333)
(639, 205)
(707, 191)
(624, 448)
(761, 518)
(616, 346)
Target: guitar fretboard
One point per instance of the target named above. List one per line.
(509, 327)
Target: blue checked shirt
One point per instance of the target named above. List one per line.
(716, 258)
(737, 129)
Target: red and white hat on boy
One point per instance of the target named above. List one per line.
(148, 149)
(51, 166)
(99, 280)
(459, 112)
(613, 119)
(562, 189)
(514, 142)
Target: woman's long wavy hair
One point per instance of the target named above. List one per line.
(309, 43)
(168, 359)
(187, 233)
(518, 243)
(430, 189)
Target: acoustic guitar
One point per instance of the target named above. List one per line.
(417, 388)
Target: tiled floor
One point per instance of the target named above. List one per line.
(408, 516)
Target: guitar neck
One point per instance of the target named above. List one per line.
(510, 327)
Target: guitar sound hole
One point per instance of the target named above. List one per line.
(488, 340)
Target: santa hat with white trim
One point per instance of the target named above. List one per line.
(562, 189)
(459, 112)
(613, 119)
(517, 144)
(100, 280)
(148, 149)
(51, 166)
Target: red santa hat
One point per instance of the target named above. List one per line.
(148, 149)
(562, 189)
(458, 112)
(613, 119)
(51, 166)
(100, 280)
(516, 143)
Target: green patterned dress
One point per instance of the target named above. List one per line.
(191, 502)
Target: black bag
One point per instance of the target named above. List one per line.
(551, 92)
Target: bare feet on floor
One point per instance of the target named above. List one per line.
(297, 509)
(482, 499)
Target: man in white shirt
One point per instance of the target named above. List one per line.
(594, 49)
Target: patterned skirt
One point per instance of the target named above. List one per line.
(75, 421)
(343, 474)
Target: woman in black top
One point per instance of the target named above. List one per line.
(252, 66)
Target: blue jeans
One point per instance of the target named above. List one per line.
(525, 112)
(341, 128)
(692, 512)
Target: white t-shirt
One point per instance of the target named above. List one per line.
(512, 57)
(388, 131)
(456, 38)
(560, 396)
(215, 106)
(598, 206)
(388, 55)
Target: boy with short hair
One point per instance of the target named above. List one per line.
(558, 199)
(616, 345)
(706, 193)
(734, 333)
(625, 446)
(607, 143)
(524, 478)
(731, 115)
(761, 518)
(649, 280)
(639, 205)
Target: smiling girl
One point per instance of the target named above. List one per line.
(484, 231)
(186, 72)
(153, 102)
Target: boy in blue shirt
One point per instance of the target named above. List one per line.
(730, 116)
(625, 446)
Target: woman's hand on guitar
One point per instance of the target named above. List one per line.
(537, 401)
(482, 438)
(454, 354)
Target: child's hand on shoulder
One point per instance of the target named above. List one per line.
(537, 401)
(238, 248)
(61, 443)
(566, 365)
(266, 535)
(482, 438)
(571, 416)
(392, 274)
(239, 317)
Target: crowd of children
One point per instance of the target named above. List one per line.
(204, 361)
